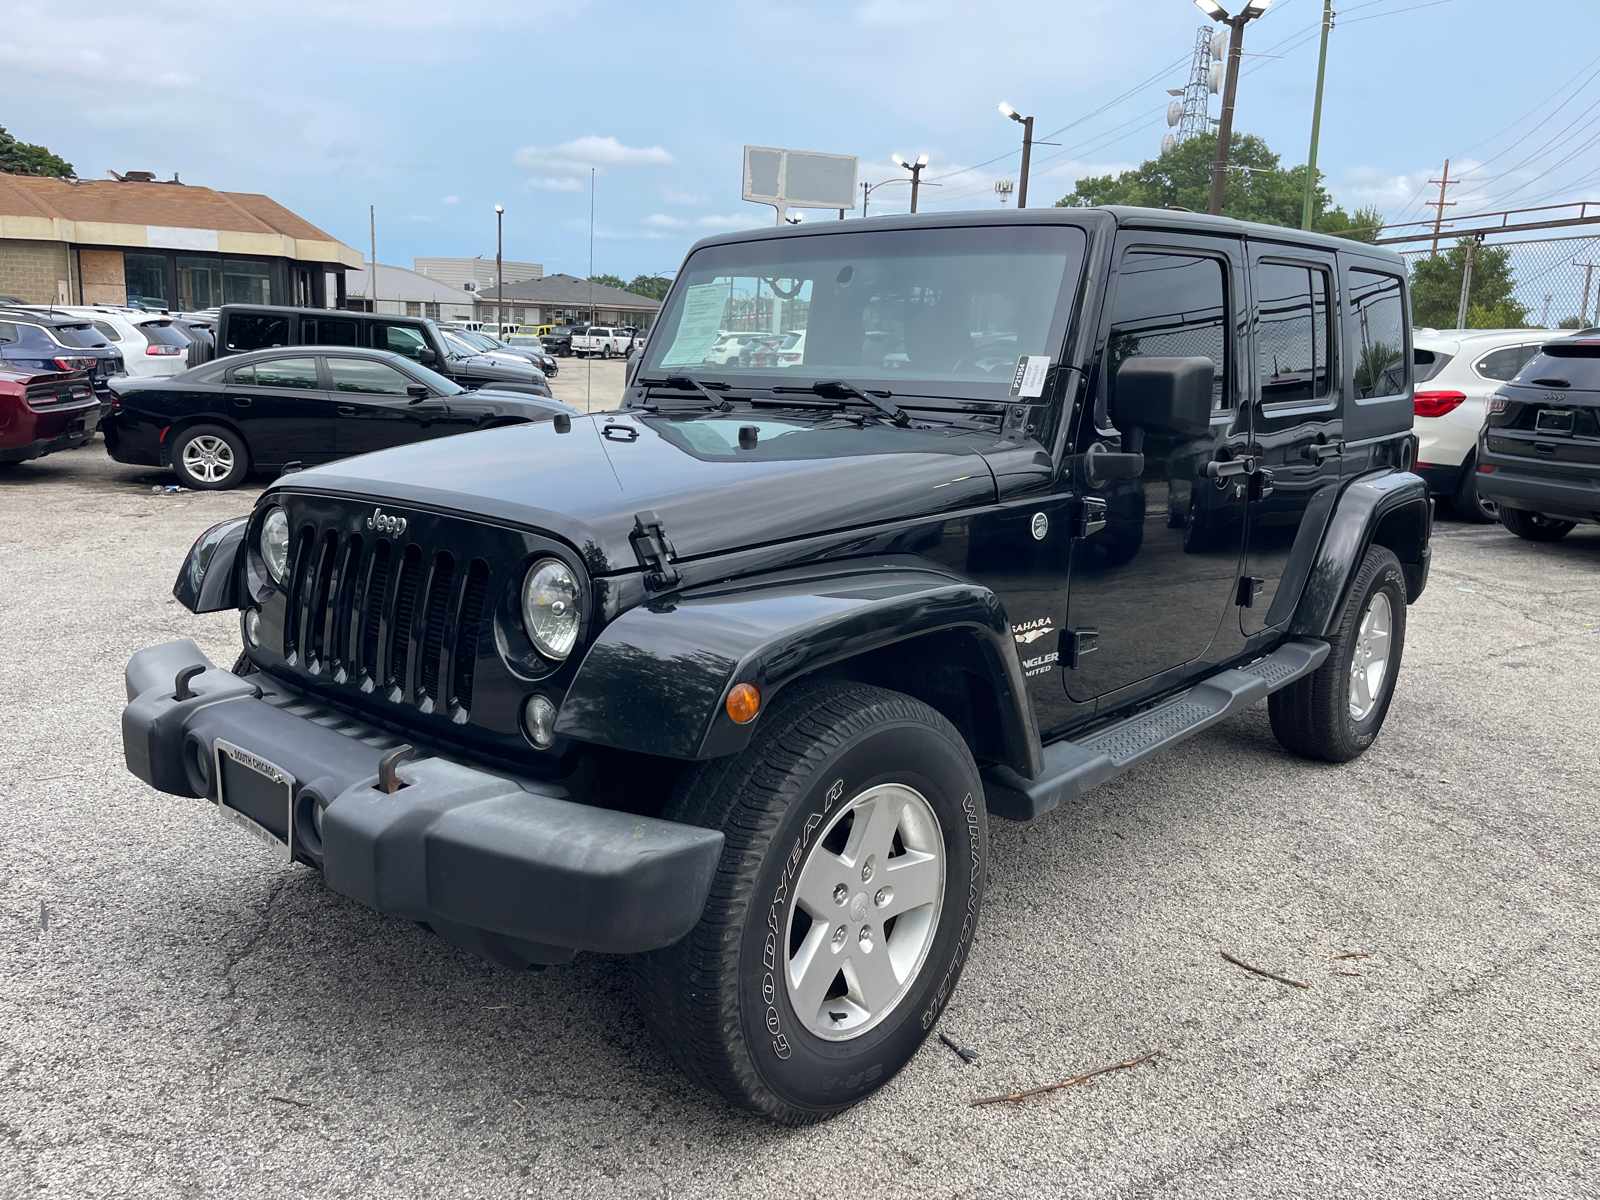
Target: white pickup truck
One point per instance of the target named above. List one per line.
(597, 339)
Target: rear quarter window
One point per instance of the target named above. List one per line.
(1428, 363)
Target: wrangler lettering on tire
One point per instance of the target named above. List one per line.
(844, 906)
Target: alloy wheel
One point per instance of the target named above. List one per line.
(866, 910)
(208, 459)
(1369, 666)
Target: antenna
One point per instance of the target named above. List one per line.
(1191, 114)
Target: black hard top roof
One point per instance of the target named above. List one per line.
(279, 309)
(1104, 218)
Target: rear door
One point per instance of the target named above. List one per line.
(283, 411)
(373, 409)
(1375, 319)
(1296, 411)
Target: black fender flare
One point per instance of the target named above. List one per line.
(208, 581)
(656, 680)
(1391, 508)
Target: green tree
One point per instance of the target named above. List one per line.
(654, 286)
(1436, 290)
(1258, 189)
(1570, 323)
(20, 158)
(611, 281)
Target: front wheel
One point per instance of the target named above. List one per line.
(1335, 713)
(1535, 527)
(843, 907)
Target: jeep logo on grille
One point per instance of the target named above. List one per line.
(384, 523)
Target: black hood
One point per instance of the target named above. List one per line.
(802, 477)
(500, 370)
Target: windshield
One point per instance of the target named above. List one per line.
(522, 339)
(457, 345)
(440, 385)
(931, 311)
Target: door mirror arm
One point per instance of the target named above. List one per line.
(1100, 465)
(418, 393)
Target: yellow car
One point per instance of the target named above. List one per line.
(534, 330)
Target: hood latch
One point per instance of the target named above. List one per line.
(650, 543)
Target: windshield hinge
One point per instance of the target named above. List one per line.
(650, 544)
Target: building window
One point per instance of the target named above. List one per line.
(245, 281)
(431, 311)
(146, 276)
(519, 315)
(413, 308)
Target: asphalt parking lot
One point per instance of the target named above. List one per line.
(182, 1016)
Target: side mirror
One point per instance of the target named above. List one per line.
(430, 358)
(1162, 395)
(418, 391)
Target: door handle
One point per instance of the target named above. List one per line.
(347, 410)
(1321, 450)
(241, 401)
(1217, 470)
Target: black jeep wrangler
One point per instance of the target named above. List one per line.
(732, 679)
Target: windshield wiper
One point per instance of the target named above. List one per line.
(833, 388)
(689, 383)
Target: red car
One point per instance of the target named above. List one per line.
(41, 412)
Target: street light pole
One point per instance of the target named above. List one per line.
(916, 173)
(1316, 116)
(1027, 151)
(499, 271)
(1219, 166)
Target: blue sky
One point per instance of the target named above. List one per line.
(436, 112)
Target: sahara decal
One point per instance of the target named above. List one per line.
(1031, 631)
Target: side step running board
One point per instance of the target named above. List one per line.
(1073, 768)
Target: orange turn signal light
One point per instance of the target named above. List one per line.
(744, 702)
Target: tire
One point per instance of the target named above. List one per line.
(723, 1001)
(1322, 716)
(605, 351)
(1534, 526)
(1469, 506)
(210, 458)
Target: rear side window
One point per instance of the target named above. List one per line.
(298, 373)
(1378, 322)
(330, 331)
(1500, 364)
(1292, 334)
(1170, 305)
(257, 331)
(1428, 363)
(8, 333)
(1576, 366)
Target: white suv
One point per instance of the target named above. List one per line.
(1456, 372)
(150, 347)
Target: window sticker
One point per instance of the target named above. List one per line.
(698, 326)
(1029, 379)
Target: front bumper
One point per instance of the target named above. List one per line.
(515, 869)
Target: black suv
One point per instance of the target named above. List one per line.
(245, 327)
(732, 680)
(1539, 451)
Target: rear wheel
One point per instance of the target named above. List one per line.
(210, 458)
(1335, 713)
(1469, 505)
(1536, 527)
(843, 906)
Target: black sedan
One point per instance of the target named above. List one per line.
(297, 404)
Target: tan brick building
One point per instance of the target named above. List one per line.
(135, 240)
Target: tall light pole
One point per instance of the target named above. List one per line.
(1219, 166)
(1027, 147)
(1316, 116)
(499, 273)
(916, 173)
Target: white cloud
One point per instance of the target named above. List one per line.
(538, 184)
(890, 12)
(451, 200)
(663, 221)
(673, 196)
(581, 154)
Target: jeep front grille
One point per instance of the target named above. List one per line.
(406, 629)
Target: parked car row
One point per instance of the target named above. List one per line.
(604, 341)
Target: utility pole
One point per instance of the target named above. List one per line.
(916, 173)
(1230, 89)
(1027, 149)
(499, 275)
(1316, 116)
(866, 194)
(372, 279)
(1544, 319)
(1440, 204)
(1466, 280)
(1583, 305)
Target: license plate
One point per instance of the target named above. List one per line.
(1553, 420)
(257, 796)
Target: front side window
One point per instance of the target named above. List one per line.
(300, 373)
(368, 378)
(1170, 305)
(934, 312)
(1292, 332)
(1382, 350)
(400, 339)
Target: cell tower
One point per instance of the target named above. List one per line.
(1191, 112)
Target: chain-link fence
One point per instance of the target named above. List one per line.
(1542, 283)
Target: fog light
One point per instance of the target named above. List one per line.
(252, 627)
(539, 721)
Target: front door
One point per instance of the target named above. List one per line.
(374, 410)
(1296, 412)
(283, 412)
(1149, 592)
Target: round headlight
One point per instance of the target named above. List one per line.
(275, 544)
(551, 608)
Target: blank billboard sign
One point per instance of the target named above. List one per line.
(799, 178)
